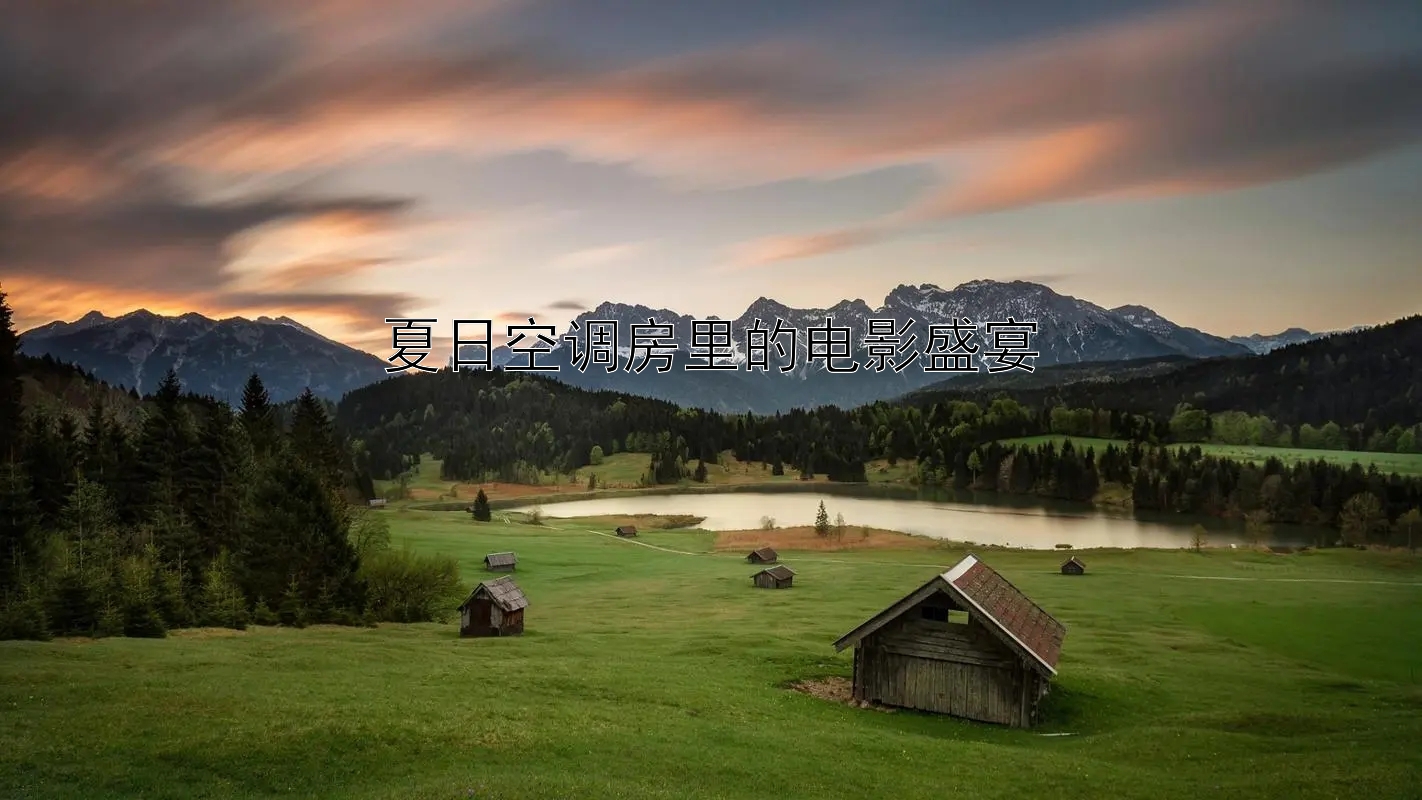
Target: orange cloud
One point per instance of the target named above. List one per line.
(1054, 166)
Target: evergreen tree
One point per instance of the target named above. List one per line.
(296, 533)
(822, 523)
(314, 440)
(258, 417)
(481, 510)
(165, 449)
(700, 475)
(10, 388)
(19, 528)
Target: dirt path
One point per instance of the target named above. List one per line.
(814, 560)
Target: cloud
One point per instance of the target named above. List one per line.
(113, 112)
(598, 257)
(568, 305)
(789, 248)
(342, 316)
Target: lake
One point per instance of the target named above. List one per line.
(1005, 522)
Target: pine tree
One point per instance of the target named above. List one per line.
(258, 417)
(700, 475)
(165, 447)
(19, 528)
(822, 523)
(314, 441)
(10, 388)
(297, 527)
(481, 510)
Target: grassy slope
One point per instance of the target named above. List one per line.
(646, 673)
(1401, 463)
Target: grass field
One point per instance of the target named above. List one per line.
(1401, 463)
(649, 672)
(619, 471)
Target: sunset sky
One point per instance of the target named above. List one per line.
(1239, 167)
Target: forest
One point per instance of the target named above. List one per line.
(176, 510)
(136, 515)
(513, 428)
(1361, 380)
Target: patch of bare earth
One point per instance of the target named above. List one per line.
(834, 690)
(503, 491)
(807, 538)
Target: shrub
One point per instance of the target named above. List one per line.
(407, 587)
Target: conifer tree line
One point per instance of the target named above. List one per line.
(194, 514)
(510, 426)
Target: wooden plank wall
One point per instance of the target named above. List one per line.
(946, 668)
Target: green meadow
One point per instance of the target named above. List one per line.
(653, 669)
(1401, 463)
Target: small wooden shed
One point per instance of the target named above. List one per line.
(494, 608)
(966, 643)
(378, 502)
(500, 562)
(626, 530)
(763, 555)
(776, 577)
(1073, 566)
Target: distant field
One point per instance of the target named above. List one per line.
(618, 471)
(1401, 463)
(649, 673)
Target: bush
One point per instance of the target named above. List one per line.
(407, 587)
(24, 618)
(767, 523)
(264, 615)
(142, 621)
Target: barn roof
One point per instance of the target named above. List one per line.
(1019, 622)
(500, 559)
(1070, 560)
(779, 572)
(767, 553)
(503, 591)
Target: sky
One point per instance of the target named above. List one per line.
(1238, 167)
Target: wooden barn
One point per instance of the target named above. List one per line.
(500, 562)
(966, 643)
(494, 608)
(764, 555)
(1072, 566)
(777, 577)
(626, 530)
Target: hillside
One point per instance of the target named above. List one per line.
(1372, 375)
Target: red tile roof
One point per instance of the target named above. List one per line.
(1034, 629)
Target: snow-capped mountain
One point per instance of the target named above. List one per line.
(1188, 341)
(1261, 343)
(1069, 331)
(212, 357)
(216, 356)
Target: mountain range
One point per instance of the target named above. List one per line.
(213, 357)
(216, 356)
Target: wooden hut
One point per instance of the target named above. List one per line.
(494, 608)
(500, 562)
(764, 555)
(626, 530)
(1072, 566)
(966, 643)
(378, 502)
(777, 577)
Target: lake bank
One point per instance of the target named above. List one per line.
(977, 522)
